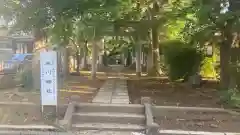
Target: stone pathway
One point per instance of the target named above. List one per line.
(113, 91)
(120, 93)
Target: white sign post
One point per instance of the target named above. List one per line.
(48, 64)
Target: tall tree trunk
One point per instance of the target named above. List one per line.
(125, 57)
(85, 54)
(101, 52)
(101, 59)
(154, 52)
(155, 69)
(138, 59)
(94, 60)
(225, 48)
(156, 56)
(78, 61)
(65, 62)
(133, 58)
(81, 57)
(74, 63)
(129, 58)
(105, 60)
(149, 59)
(142, 55)
(225, 54)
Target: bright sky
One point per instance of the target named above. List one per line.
(225, 8)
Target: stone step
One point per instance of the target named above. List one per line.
(122, 99)
(99, 132)
(106, 117)
(105, 101)
(119, 108)
(108, 126)
(121, 94)
(119, 102)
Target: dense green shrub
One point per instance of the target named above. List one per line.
(231, 97)
(181, 59)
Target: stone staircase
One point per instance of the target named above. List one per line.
(116, 118)
(90, 119)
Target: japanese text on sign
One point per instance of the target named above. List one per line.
(48, 62)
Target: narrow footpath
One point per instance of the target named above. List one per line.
(113, 91)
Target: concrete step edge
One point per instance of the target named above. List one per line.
(184, 132)
(22, 127)
(99, 132)
(111, 114)
(123, 108)
(7, 132)
(109, 105)
(109, 126)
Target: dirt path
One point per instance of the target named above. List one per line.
(83, 87)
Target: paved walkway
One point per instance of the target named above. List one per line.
(113, 91)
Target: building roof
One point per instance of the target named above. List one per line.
(20, 57)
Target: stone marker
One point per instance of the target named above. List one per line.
(49, 114)
(195, 80)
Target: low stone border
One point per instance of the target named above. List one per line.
(151, 126)
(18, 103)
(183, 132)
(157, 109)
(26, 127)
(7, 132)
(25, 103)
(67, 121)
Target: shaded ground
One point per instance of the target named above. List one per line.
(82, 86)
(199, 121)
(176, 94)
(30, 114)
(20, 115)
